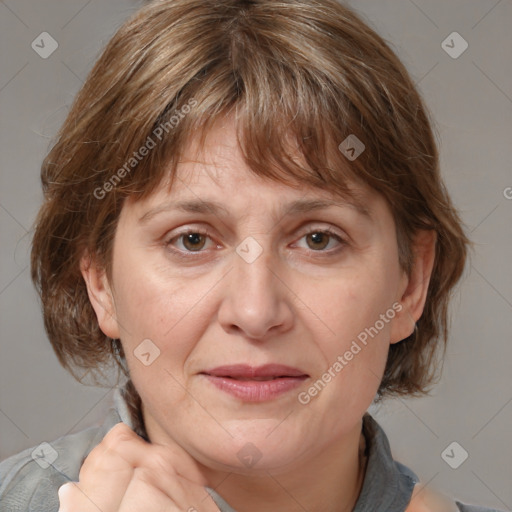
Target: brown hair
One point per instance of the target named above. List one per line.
(299, 75)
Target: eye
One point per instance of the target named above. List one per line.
(319, 240)
(190, 241)
(322, 240)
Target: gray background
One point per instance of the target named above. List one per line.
(471, 101)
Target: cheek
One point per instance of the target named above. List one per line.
(149, 302)
(354, 359)
(165, 312)
(358, 306)
(149, 311)
(358, 309)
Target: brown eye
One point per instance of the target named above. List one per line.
(193, 241)
(318, 240)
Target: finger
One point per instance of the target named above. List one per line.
(145, 492)
(110, 467)
(125, 443)
(72, 498)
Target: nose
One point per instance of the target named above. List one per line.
(256, 302)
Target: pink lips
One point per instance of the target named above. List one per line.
(255, 384)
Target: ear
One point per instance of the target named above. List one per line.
(100, 295)
(414, 288)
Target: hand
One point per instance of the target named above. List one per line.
(124, 474)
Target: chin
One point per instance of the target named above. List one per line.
(250, 450)
(251, 462)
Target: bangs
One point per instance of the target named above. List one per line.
(285, 131)
(291, 111)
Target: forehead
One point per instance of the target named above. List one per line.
(229, 187)
(215, 165)
(212, 177)
(236, 194)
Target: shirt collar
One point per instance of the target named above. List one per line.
(386, 482)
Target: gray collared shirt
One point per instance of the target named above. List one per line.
(29, 481)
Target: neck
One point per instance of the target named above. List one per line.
(324, 483)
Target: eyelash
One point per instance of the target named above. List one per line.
(204, 232)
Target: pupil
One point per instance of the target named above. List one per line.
(194, 241)
(319, 240)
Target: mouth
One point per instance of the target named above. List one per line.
(255, 384)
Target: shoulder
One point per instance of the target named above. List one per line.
(424, 499)
(474, 508)
(32, 478)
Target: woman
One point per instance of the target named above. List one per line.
(244, 211)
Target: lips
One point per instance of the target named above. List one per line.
(246, 372)
(255, 384)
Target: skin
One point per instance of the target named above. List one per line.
(300, 303)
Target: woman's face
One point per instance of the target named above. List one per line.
(228, 274)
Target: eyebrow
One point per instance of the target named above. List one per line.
(215, 208)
